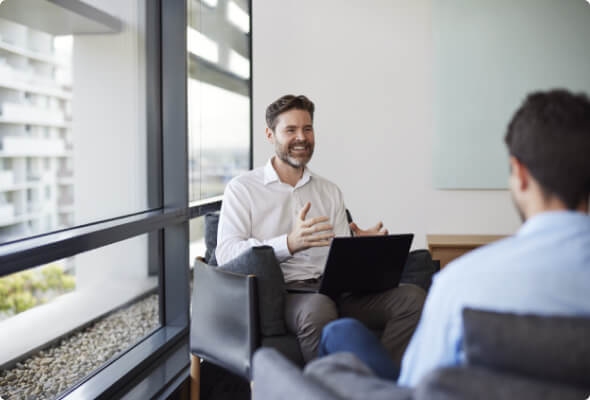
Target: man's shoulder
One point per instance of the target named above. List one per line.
(248, 178)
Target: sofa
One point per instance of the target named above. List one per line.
(507, 356)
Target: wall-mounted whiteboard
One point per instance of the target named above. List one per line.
(488, 54)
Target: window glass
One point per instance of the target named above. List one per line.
(67, 319)
(73, 150)
(197, 247)
(218, 48)
(72, 122)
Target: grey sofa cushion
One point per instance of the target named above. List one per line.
(460, 383)
(556, 348)
(261, 261)
(348, 377)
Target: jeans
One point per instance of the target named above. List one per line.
(350, 335)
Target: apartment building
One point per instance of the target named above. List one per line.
(36, 147)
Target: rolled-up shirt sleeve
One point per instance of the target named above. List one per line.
(234, 234)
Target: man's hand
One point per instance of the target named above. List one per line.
(374, 231)
(304, 235)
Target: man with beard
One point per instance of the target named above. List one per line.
(295, 211)
(543, 269)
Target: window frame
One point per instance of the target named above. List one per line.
(159, 363)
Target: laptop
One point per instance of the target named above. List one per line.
(363, 264)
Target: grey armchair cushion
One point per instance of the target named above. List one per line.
(555, 348)
(261, 261)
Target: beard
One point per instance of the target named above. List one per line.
(284, 154)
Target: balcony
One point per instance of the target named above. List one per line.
(30, 115)
(29, 146)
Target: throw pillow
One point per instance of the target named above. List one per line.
(419, 269)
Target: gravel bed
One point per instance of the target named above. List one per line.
(53, 370)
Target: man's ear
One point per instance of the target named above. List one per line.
(269, 135)
(520, 172)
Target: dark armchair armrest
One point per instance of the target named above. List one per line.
(224, 325)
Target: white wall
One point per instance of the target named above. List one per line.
(367, 67)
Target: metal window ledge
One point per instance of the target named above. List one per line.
(138, 368)
(27, 253)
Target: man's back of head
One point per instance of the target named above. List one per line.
(549, 137)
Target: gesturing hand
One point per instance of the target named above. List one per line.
(374, 231)
(304, 235)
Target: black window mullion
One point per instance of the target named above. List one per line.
(174, 283)
(154, 128)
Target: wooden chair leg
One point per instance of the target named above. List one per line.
(195, 377)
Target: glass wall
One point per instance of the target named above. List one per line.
(218, 45)
(73, 151)
(72, 125)
(94, 190)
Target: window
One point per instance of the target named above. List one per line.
(219, 104)
(72, 121)
(111, 303)
(218, 95)
(113, 231)
(94, 196)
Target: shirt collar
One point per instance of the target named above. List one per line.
(270, 175)
(551, 220)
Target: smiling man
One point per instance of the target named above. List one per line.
(295, 211)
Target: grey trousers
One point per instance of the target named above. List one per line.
(395, 312)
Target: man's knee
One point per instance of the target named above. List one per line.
(319, 310)
(414, 294)
(341, 327)
(338, 332)
(407, 299)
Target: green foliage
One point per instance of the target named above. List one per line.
(23, 301)
(68, 282)
(24, 290)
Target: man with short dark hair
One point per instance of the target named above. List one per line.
(297, 212)
(543, 269)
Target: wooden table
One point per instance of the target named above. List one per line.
(448, 247)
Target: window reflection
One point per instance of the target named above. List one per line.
(218, 95)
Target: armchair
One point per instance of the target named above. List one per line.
(225, 324)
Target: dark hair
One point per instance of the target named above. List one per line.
(286, 103)
(550, 135)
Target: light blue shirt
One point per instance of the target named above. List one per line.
(543, 269)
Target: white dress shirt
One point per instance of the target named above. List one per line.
(258, 209)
